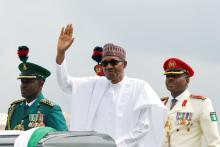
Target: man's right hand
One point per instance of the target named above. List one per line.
(64, 42)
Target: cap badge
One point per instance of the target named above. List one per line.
(171, 64)
(25, 67)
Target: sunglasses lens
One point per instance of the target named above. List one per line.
(104, 63)
(111, 62)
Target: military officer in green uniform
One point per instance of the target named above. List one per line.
(34, 110)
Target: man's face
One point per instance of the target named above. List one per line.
(30, 88)
(176, 84)
(113, 68)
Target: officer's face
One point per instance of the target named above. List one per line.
(176, 84)
(30, 88)
(113, 68)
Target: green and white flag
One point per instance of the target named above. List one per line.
(30, 138)
(213, 116)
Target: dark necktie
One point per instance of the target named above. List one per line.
(26, 107)
(173, 103)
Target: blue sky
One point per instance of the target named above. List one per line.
(150, 31)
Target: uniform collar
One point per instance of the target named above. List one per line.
(182, 100)
(29, 104)
(38, 98)
(183, 95)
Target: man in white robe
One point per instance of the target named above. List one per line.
(127, 109)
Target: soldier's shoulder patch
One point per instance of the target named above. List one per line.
(17, 101)
(164, 99)
(213, 116)
(197, 97)
(47, 102)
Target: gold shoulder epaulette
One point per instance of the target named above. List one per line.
(164, 100)
(198, 97)
(17, 101)
(47, 102)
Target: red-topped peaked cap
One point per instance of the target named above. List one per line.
(177, 66)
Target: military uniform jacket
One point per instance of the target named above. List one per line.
(191, 118)
(20, 116)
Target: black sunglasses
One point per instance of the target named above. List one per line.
(111, 62)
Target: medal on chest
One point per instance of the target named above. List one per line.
(36, 120)
(184, 118)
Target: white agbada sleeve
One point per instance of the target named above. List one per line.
(71, 84)
(81, 89)
(63, 78)
(149, 128)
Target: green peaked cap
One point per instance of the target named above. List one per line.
(31, 70)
